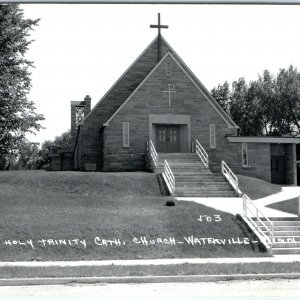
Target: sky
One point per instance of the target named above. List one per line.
(82, 49)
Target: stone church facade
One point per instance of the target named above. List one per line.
(158, 98)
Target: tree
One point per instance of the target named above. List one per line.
(222, 95)
(288, 94)
(60, 142)
(17, 113)
(27, 156)
(267, 106)
(268, 101)
(237, 108)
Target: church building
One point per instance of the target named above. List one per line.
(159, 103)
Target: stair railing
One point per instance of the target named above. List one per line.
(255, 216)
(169, 178)
(202, 154)
(230, 176)
(153, 153)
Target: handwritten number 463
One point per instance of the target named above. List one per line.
(206, 218)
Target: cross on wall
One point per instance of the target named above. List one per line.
(171, 93)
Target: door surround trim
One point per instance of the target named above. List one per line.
(169, 119)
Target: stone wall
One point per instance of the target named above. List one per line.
(259, 159)
(91, 151)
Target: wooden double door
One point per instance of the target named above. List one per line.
(167, 138)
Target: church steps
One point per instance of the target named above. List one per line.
(286, 223)
(286, 235)
(200, 179)
(201, 183)
(192, 178)
(286, 245)
(203, 188)
(284, 228)
(205, 194)
(288, 251)
(284, 239)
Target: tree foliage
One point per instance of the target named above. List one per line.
(269, 105)
(17, 112)
(222, 94)
(60, 142)
(31, 157)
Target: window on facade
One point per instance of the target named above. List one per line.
(212, 133)
(168, 69)
(244, 155)
(125, 134)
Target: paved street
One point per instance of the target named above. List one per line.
(260, 288)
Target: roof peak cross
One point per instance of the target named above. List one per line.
(159, 26)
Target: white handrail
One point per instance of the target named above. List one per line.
(153, 153)
(258, 215)
(230, 176)
(169, 178)
(202, 154)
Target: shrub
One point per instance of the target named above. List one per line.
(170, 203)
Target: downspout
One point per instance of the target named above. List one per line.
(76, 144)
(102, 146)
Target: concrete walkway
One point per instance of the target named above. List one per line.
(235, 205)
(155, 262)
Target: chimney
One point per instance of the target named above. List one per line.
(87, 105)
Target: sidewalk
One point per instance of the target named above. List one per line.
(154, 262)
(235, 205)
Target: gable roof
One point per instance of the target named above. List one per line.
(138, 72)
(126, 84)
(200, 85)
(223, 115)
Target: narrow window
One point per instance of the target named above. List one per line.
(244, 155)
(212, 133)
(168, 69)
(125, 134)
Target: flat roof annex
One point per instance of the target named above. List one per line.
(263, 139)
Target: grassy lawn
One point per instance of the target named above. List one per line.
(289, 206)
(152, 270)
(256, 188)
(84, 216)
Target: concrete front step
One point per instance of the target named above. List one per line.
(182, 164)
(198, 177)
(287, 245)
(280, 219)
(285, 233)
(278, 251)
(191, 175)
(283, 228)
(198, 183)
(203, 188)
(286, 223)
(205, 193)
(283, 238)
